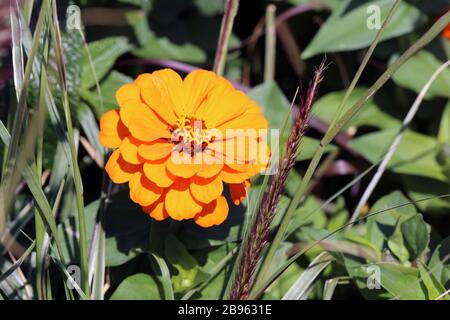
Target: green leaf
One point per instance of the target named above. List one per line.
(273, 102)
(340, 216)
(397, 245)
(360, 272)
(153, 47)
(127, 230)
(439, 263)
(417, 71)
(381, 227)
(415, 155)
(421, 188)
(371, 115)
(189, 272)
(104, 54)
(433, 286)
(415, 234)
(402, 282)
(108, 88)
(347, 28)
(139, 286)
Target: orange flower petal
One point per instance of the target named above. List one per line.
(143, 191)
(155, 150)
(157, 210)
(210, 166)
(229, 175)
(239, 191)
(196, 86)
(206, 190)
(252, 118)
(118, 169)
(157, 172)
(158, 95)
(142, 122)
(112, 130)
(223, 105)
(179, 202)
(182, 165)
(129, 151)
(127, 92)
(174, 84)
(212, 214)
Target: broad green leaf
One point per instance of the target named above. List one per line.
(195, 237)
(189, 271)
(108, 88)
(421, 188)
(417, 71)
(415, 234)
(163, 48)
(331, 3)
(153, 47)
(340, 216)
(348, 26)
(396, 245)
(416, 154)
(370, 115)
(433, 286)
(212, 257)
(439, 263)
(127, 230)
(308, 215)
(209, 8)
(274, 104)
(139, 286)
(365, 275)
(104, 54)
(381, 227)
(402, 282)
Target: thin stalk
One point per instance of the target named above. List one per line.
(231, 8)
(100, 244)
(38, 220)
(23, 94)
(84, 265)
(396, 142)
(271, 40)
(366, 59)
(437, 27)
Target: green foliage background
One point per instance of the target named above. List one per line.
(408, 243)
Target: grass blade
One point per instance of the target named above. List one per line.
(303, 283)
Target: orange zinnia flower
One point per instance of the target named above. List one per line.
(446, 32)
(177, 141)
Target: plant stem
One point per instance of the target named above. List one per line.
(84, 265)
(231, 8)
(269, 66)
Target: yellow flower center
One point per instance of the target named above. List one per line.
(191, 134)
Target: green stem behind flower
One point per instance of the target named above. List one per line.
(231, 8)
